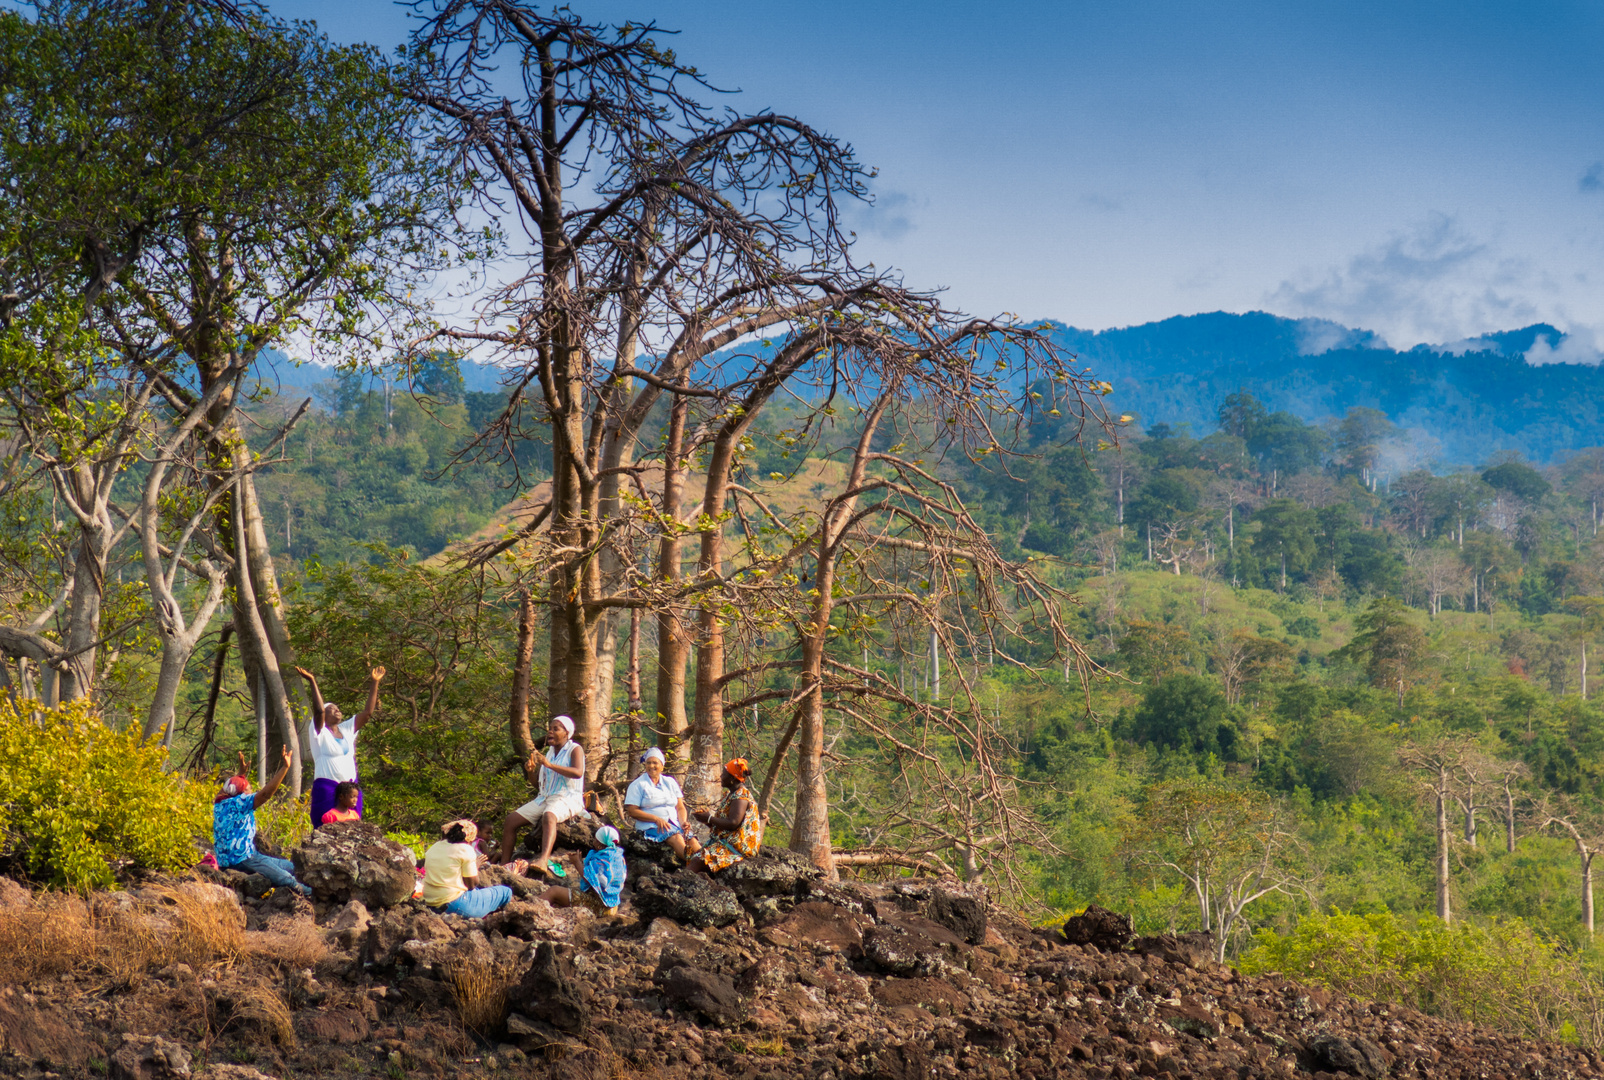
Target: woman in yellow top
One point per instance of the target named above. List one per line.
(737, 827)
(451, 875)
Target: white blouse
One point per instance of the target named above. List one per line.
(659, 798)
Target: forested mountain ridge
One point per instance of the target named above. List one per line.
(1465, 400)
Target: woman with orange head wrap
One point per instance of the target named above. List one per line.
(737, 827)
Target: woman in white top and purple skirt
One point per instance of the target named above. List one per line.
(334, 744)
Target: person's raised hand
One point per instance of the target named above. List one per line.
(244, 766)
(284, 758)
(378, 673)
(305, 674)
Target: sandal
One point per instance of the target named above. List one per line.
(556, 869)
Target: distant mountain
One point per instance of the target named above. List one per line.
(1467, 399)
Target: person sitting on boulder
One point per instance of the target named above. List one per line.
(451, 875)
(347, 797)
(334, 744)
(234, 827)
(657, 806)
(562, 783)
(737, 826)
(601, 882)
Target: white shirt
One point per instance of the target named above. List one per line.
(659, 798)
(334, 752)
(554, 784)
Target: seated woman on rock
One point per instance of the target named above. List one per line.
(656, 804)
(601, 882)
(561, 776)
(737, 826)
(234, 826)
(451, 875)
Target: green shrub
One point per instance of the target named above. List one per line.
(81, 796)
(1500, 973)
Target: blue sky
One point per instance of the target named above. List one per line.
(1431, 171)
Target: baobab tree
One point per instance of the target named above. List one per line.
(685, 261)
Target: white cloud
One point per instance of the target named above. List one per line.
(1434, 282)
(1578, 346)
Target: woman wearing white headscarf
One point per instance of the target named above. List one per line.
(656, 804)
(561, 771)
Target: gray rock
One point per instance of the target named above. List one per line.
(772, 872)
(706, 993)
(527, 919)
(350, 924)
(1357, 1055)
(551, 993)
(232, 1072)
(688, 899)
(352, 860)
(1193, 949)
(963, 912)
(906, 944)
(387, 933)
(1099, 928)
(149, 1057)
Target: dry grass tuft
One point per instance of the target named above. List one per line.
(298, 946)
(479, 988)
(53, 936)
(266, 1009)
(205, 931)
(60, 933)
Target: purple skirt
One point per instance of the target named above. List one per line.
(323, 799)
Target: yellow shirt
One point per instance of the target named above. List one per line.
(444, 866)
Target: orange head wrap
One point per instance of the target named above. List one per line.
(738, 768)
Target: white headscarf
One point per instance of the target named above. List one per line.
(565, 722)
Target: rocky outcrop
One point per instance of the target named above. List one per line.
(352, 860)
(830, 981)
(550, 992)
(1099, 928)
(687, 898)
(149, 1057)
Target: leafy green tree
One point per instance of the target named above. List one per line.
(1230, 844)
(1357, 441)
(1189, 713)
(1392, 649)
(1519, 479)
(438, 748)
(1241, 414)
(250, 181)
(1286, 540)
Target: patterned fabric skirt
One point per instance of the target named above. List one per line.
(719, 853)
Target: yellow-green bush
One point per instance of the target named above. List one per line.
(1501, 973)
(79, 795)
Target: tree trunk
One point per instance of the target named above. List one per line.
(632, 688)
(77, 673)
(1443, 911)
(673, 644)
(1509, 821)
(1587, 891)
(275, 705)
(810, 830)
(523, 743)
